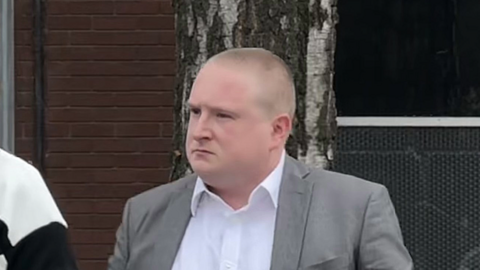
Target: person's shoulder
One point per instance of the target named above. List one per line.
(161, 194)
(344, 182)
(18, 173)
(25, 196)
(11, 165)
(342, 192)
(330, 180)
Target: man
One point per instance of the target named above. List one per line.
(249, 206)
(33, 233)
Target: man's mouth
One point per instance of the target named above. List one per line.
(203, 151)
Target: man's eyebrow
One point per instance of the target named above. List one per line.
(191, 105)
(213, 108)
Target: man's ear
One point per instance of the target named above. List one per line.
(281, 128)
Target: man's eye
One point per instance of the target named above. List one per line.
(194, 111)
(223, 115)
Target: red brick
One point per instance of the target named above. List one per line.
(156, 23)
(144, 99)
(92, 251)
(144, 7)
(105, 100)
(75, 206)
(60, 160)
(92, 264)
(111, 145)
(23, 22)
(51, 130)
(23, 53)
(69, 83)
(111, 68)
(57, 130)
(142, 161)
(54, 160)
(124, 191)
(92, 236)
(80, 7)
(123, 38)
(117, 146)
(23, 99)
(58, 7)
(108, 175)
(28, 157)
(23, 7)
(23, 83)
(137, 130)
(133, 83)
(157, 145)
(87, 99)
(24, 68)
(112, 206)
(19, 131)
(69, 23)
(103, 75)
(23, 37)
(166, 7)
(91, 221)
(109, 114)
(28, 130)
(24, 145)
(57, 38)
(108, 83)
(115, 23)
(80, 53)
(115, 193)
(93, 130)
(156, 53)
(23, 115)
(69, 145)
(167, 130)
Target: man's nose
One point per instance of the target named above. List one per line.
(202, 130)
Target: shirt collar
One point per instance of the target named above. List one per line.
(271, 184)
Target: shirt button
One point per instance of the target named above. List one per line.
(228, 265)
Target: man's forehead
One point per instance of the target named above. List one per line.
(225, 79)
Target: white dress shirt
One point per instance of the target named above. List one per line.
(220, 238)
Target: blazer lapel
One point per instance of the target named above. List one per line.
(292, 212)
(172, 227)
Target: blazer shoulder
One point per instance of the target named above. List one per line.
(160, 195)
(344, 184)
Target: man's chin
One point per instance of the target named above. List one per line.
(202, 167)
(205, 169)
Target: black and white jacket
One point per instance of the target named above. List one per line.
(33, 233)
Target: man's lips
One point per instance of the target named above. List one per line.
(202, 151)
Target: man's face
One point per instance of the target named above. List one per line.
(228, 132)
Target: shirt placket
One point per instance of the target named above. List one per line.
(231, 243)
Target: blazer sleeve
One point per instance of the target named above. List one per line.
(119, 259)
(381, 242)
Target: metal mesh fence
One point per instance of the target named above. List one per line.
(433, 176)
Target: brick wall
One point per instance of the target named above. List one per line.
(110, 74)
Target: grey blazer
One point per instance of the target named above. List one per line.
(325, 221)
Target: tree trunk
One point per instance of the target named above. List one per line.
(300, 32)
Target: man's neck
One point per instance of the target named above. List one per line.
(237, 195)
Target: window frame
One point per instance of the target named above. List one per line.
(7, 79)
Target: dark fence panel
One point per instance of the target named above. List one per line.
(433, 176)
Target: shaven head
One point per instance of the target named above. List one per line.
(276, 86)
(241, 112)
